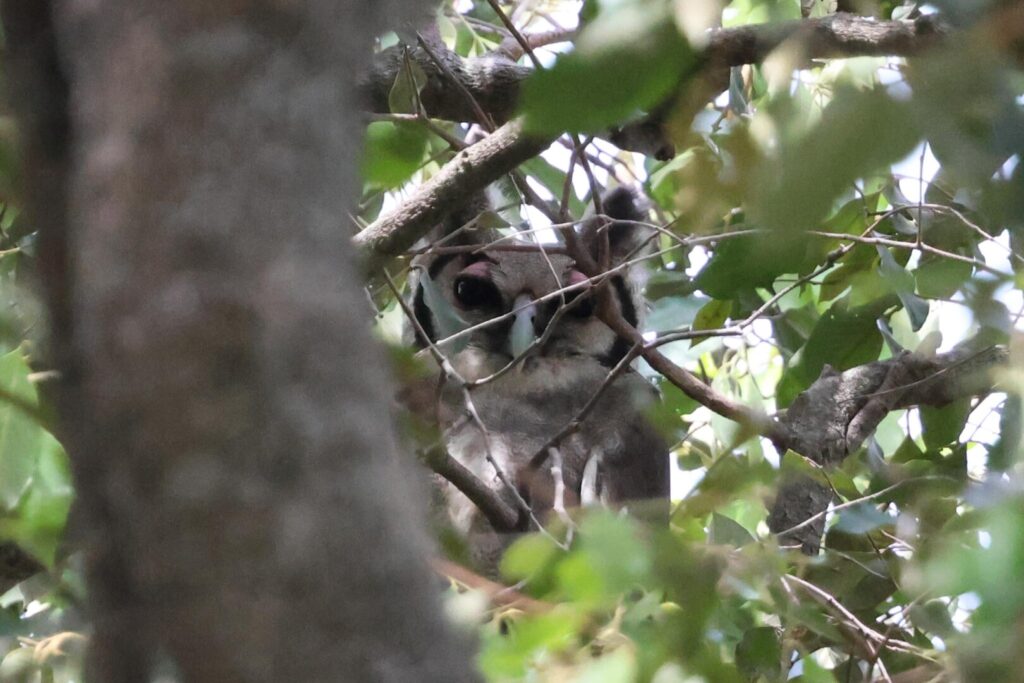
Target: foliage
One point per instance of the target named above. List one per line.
(829, 214)
(813, 215)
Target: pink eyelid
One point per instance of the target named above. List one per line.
(481, 269)
(575, 278)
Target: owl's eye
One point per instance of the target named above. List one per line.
(577, 305)
(583, 308)
(475, 292)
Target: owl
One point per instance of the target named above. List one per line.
(487, 306)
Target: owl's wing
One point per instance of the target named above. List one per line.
(639, 470)
(631, 463)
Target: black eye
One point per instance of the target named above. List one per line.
(584, 308)
(474, 292)
(577, 305)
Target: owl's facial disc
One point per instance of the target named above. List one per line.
(522, 333)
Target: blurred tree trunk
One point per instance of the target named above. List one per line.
(190, 166)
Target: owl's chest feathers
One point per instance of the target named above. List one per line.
(528, 405)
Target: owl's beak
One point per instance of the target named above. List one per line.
(522, 333)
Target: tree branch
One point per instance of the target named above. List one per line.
(501, 516)
(834, 416)
(494, 82)
(835, 35)
(470, 171)
(690, 385)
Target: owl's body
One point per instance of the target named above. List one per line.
(614, 456)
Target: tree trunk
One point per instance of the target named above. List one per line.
(226, 410)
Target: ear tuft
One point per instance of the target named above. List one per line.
(623, 203)
(626, 235)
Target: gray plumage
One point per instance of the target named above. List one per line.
(616, 456)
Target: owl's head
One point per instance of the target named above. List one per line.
(508, 294)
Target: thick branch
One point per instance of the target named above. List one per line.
(494, 85)
(472, 170)
(835, 35)
(244, 516)
(494, 82)
(834, 416)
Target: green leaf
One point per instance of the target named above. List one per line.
(726, 531)
(813, 617)
(712, 315)
(627, 60)
(403, 98)
(859, 132)
(940, 278)
(611, 547)
(528, 556)
(861, 258)
(862, 518)
(813, 673)
(843, 338)
(674, 312)
(933, 617)
(35, 484)
(942, 426)
(759, 653)
(37, 524)
(507, 656)
(902, 283)
(966, 101)
(663, 283)
(21, 436)
(870, 592)
(616, 667)
(1006, 451)
(393, 152)
(749, 261)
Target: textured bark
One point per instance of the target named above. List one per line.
(472, 170)
(835, 35)
(834, 416)
(244, 512)
(492, 84)
(494, 81)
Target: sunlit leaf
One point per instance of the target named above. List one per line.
(819, 166)
(902, 283)
(749, 261)
(726, 531)
(21, 436)
(637, 49)
(393, 152)
(943, 425)
(862, 518)
(403, 98)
